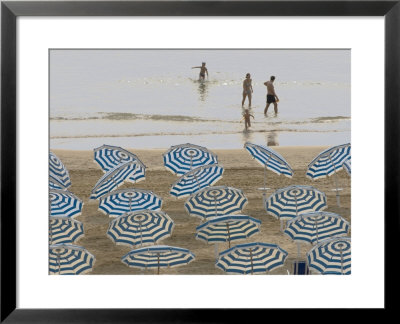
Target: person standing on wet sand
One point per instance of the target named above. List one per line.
(247, 89)
(271, 96)
(203, 71)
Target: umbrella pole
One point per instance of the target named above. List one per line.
(158, 263)
(336, 182)
(265, 176)
(229, 235)
(341, 259)
(216, 252)
(251, 260)
(59, 263)
(140, 226)
(298, 250)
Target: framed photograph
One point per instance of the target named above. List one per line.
(195, 152)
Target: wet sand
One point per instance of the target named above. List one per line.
(240, 171)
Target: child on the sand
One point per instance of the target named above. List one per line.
(246, 117)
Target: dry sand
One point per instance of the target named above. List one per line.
(240, 171)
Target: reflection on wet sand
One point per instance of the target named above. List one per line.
(272, 139)
(202, 90)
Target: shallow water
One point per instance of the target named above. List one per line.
(152, 98)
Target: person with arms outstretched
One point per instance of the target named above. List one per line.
(247, 89)
(203, 71)
(271, 95)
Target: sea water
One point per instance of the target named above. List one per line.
(136, 98)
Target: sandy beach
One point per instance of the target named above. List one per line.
(240, 171)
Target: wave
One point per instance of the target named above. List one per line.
(196, 133)
(183, 118)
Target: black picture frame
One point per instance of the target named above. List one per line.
(11, 10)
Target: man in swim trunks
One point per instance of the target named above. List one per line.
(203, 71)
(271, 96)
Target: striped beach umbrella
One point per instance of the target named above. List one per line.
(331, 256)
(55, 183)
(347, 165)
(328, 163)
(113, 179)
(108, 157)
(64, 203)
(315, 227)
(69, 259)
(140, 228)
(288, 203)
(216, 201)
(251, 258)
(64, 230)
(270, 160)
(158, 256)
(58, 170)
(180, 159)
(122, 201)
(196, 180)
(228, 228)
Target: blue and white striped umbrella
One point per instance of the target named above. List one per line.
(216, 201)
(158, 256)
(65, 230)
(108, 157)
(141, 227)
(347, 165)
(332, 256)
(64, 203)
(228, 228)
(55, 183)
(69, 259)
(270, 159)
(113, 179)
(196, 180)
(122, 201)
(316, 226)
(251, 258)
(58, 170)
(290, 202)
(328, 162)
(180, 159)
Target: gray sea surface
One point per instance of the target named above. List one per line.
(153, 98)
